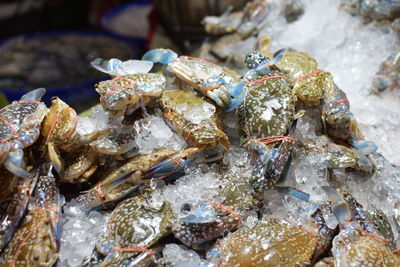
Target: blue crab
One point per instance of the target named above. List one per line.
(134, 226)
(16, 192)
(36, 242)
(388, 76)
(374, 9)
(215, 219)
(127, 93)
(359, 243)
(132, 175)
(339, 122)
(310, 85)
(218, 83)
(274, 242)
(204, 132)
(19, 128)
(268, 121)
(205, 224)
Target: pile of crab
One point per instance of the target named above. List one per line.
(42, 154)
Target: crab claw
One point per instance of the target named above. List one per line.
(297, 193)
(116, 67)
(14, 163)
(230, 96)
(36, 94)
(238, 93)
(364, 146)
(278, 55)
(172, 167)
(341, 208)
(163, 56)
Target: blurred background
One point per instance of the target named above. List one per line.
(50, 43)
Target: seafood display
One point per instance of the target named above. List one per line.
(188, 162)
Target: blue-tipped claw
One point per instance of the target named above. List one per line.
(163, 56)
(297, 193)
(341, 209)
(278, 55)
(171, 166)
(238, 92)
(364, 146)
(14, 162)
(36, 94)
(201, 215)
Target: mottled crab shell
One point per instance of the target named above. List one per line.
(206, 133)
(354, 247)
(310, 90)
(59, 125)
(296, 64)
(268, 109)
(274, 242)
(20, 125)
(135, 223)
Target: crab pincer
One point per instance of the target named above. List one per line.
(132, 175)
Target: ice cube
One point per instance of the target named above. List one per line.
(180, 256)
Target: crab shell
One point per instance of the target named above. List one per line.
(80, 164)
(16, 192)
(123, 91)
(136, 222)
(206, 133)
(59, 125)
(199, 73)
(274, 242)
(268, 109)
(354, 247)
(20, 125)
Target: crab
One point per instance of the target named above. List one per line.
(339, 123)
(274, 242)
(19, 128)
(339, 156)
(125, 94)
(226, 213)
(15, 198)
(134, 226)
(268, 122)
(388, 76)
(36, 242)
(359, 243)
(239, 29)
(220, 84)
(228, 22)
(310, 86)
(116, 141)
(79, 164)
(132, 175)
(193, 118)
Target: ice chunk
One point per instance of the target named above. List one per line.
(196, 113)
(79, 234)
(153, 134)
(180, 256)
(198, 186)
(98, 120)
